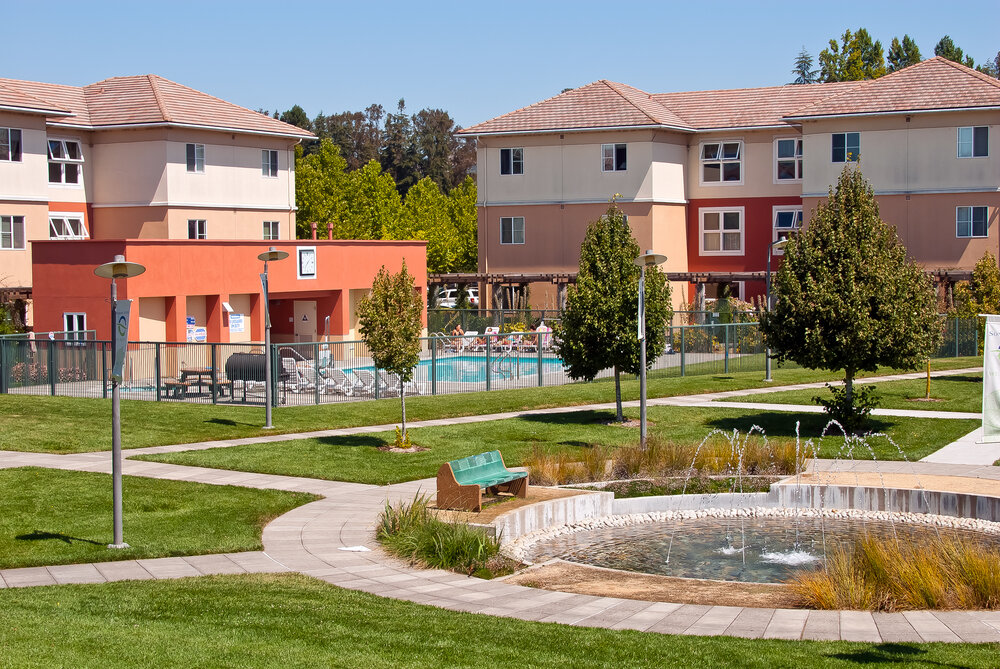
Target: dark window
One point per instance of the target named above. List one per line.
(846, 147)
(10, 144)
(511, 161)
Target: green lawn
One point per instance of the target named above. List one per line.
(358, 458)
(73, 425)
(49, 516)
(294, 621)
(955, 393)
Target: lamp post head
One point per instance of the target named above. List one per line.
(649, 259)
(119, 269)
(778, 244)
(272, 254)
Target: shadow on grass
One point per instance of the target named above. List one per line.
(782, 424)
(229, 422)
(588, 417)
(352, 441)
(39, 535)
(892, 653)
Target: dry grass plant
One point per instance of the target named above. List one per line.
(946, 572)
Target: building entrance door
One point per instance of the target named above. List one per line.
(305, 320)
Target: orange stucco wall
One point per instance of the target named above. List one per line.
(209, 272)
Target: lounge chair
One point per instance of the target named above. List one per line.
(393, 384)
(293, 377)
(338, 382)
(367, 382)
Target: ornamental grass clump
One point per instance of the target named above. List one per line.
(410, 531)
(944, 572)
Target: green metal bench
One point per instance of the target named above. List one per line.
(460, 483)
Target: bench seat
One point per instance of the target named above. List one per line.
(460, 483)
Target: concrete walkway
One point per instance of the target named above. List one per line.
(320, 539)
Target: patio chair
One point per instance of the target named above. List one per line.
(468, 341)
(292, 378)
(366, 382)
(394, 383)
(338, 382)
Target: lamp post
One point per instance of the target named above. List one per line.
(268, 256)
(117, 269)
(771, 248)
(647, 259)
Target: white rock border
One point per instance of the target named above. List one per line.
(520, 548)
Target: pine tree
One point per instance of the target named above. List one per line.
(599, 327)
(903, 54)
(946, 48)
(803, 70)
(847, 296)
(390, 325)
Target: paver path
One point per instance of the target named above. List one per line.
(312, 539)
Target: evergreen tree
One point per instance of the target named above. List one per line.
(903, 54)
(857, 57)
(803, 70)
(296, 116)
(390, 325)
(599, 326)
(848, 298)
(946, 48)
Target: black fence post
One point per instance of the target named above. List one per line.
(488, 370)
(214, 375)
(726, 364)
(156, 361)
(683, 343)
(3, 366)
(434, 377)
(318, 383)
(52, 368)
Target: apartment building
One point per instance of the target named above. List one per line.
(195, 185)
(711, 178)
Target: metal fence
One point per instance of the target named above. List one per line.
(326, 372)
(445, 321)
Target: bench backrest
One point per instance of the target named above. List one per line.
(476, 467)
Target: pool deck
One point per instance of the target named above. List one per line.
(322, 539)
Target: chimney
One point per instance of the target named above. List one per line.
(329, 231)
(314, 227)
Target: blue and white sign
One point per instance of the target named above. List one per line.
(236, 322)
(189, 320)
(123, 309)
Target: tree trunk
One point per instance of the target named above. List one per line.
(618, 396)
(849, 387)
(402, 400)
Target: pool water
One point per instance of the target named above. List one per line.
(472, 368)
(714, 548)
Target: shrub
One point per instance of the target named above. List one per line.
(852, 415)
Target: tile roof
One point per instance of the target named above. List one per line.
(146, 99)
(11, 97)
(936, 83)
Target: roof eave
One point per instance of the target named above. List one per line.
(36, 110)
(906, 112)
(173, 124)
(549, 131)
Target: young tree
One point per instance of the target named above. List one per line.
(599, 327)
(389, 320)
(903, 54)
(848, 298)
(982, 294)
(803, 70)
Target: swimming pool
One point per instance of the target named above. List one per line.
(472, 368)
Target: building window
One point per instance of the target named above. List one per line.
(788, 159)
(722, 162)
(10, 145)
(846, 147)
(195, 157)
(613, 157)
(971, 221)
(511, 161)
(12, 232)
(67, 226)
(197, 229)
(270, 229)
(973, 142)
(268, 163)
(787, 221)
(65, 161)
(722, 232)
(512, 230)
(307, 262)
(75, 326)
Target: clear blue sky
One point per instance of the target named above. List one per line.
(475, 59)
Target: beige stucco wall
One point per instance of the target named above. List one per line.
(757, 169)
(28, 179)
(919, 156)
(15, 265)
(152, 319)
(229, 223)
(566, 168)
(83, 192)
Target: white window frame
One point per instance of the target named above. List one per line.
(776, 231)
(271, 230)
(511, 220)
(7, 139)
(972, 218)
(719, 158)
(269, 163)
(972, 141)
(797, 159)
(71, 321)
(514, 161)
(200, 229)
(848, 157)
(8, 224)
(721, 211)
(64, 160)
(610, 152)
(198, 167)
(68, 216)
(304, 252)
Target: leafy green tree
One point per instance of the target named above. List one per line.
(399, 154)
(991, 67)
(600, 323)
(390, 325)
(857, 57)
(371, 204)
(982, 294)
(320, 182)
(903, 54)
(848, 298)
(426, 216)
(946, 48)
(803, 70)
(358, 134)
(296, 116)
(462, 209)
